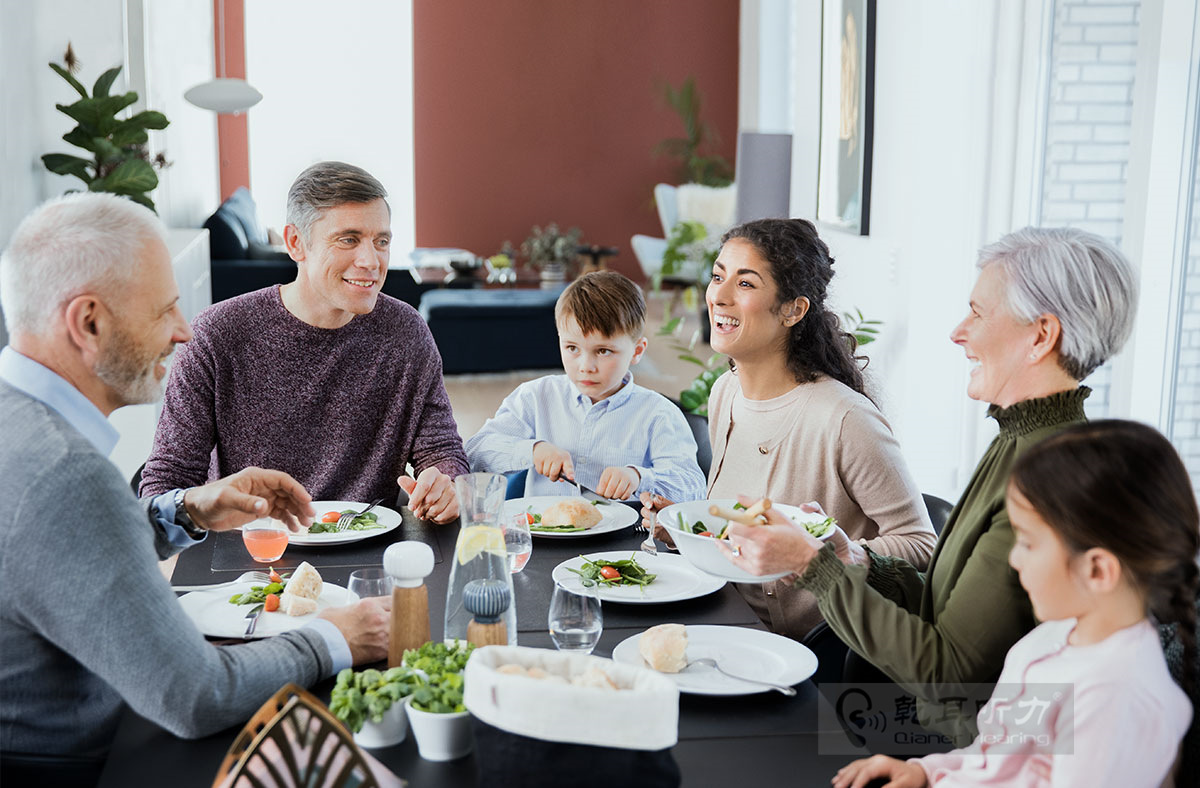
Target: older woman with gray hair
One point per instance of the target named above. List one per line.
(1049, 307)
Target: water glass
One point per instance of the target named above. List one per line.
(518, 543)
(265, 539)
(575, 619)
(370, 582)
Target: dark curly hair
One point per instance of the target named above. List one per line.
(802, 267)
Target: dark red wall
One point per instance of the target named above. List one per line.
(532, 111)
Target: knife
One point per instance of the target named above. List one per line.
(252, 619)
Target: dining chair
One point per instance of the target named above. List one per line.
(293, 739)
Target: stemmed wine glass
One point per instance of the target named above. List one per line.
(575, 619)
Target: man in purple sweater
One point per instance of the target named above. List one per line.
(323, 378)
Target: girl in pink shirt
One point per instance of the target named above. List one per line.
(1107, 532)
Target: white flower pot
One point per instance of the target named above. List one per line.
(389, 731)
(441, 737)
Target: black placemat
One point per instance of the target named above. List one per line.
(229, 554)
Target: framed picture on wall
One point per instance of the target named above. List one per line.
(847, 114)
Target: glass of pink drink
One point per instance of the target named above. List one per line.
(265, 539)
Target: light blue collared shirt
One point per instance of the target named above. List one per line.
(51, 389)
(633, 427)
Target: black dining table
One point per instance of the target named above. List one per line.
(723, 740)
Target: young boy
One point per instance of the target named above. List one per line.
(593, 425)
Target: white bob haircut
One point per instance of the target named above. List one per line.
(68, 246)
(1080, 278)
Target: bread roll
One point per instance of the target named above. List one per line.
(664, 647)
(594, 677)
(303, 590)
(571, 511)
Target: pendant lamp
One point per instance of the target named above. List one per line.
(223, 94)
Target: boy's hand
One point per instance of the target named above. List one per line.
(552, 462)
(618, 484)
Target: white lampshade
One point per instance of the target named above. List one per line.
(224, 95)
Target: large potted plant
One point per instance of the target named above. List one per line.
(695, 165)
(549, 250)
(118, 160)
(440, 722)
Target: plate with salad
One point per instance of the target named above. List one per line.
(614, 516)
(323, 528)
(216, 614)
(636, 578)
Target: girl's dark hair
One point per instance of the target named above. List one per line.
(801, 266)
(1121, 486)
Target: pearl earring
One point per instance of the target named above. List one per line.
(1032, 356)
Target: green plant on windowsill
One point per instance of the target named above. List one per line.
(695, 397)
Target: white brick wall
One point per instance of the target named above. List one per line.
(1185, 429)
(1093, 59)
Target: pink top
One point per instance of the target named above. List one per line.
(1119, 722)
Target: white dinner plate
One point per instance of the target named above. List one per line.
(676, 578)
(613, 516)
(389, 519)
(753, 653)
(216, 617)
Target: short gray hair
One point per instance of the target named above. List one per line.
(67, 246)
(326, 185)
(1080, 278)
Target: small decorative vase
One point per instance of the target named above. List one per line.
(441, 737)
(553, 274)
(389, 731)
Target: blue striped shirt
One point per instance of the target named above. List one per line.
(633, 427)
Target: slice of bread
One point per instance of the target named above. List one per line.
(303, 590)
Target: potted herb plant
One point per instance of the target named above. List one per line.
(370, 703)
(440, 722)
(549, 250)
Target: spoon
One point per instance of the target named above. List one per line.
(789, 691)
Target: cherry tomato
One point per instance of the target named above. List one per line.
(705, 533)
(610, 572)
(330, 517)
(529, 518)
(271, 604)
(274, 576)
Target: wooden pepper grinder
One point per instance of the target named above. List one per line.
(487, 600)
(408, 563)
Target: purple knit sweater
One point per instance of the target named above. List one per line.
(342, 410)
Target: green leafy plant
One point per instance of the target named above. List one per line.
(689, 242)
(864, 331)
(119, 161)
(694, 166)
(695, 397)
(549, 245)
(439, 670)
(367, 694)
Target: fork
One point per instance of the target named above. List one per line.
(648, 546)
(246, 577)
(347, 519)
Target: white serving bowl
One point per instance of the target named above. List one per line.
(703, 551)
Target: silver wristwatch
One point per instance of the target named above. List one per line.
(183, 520)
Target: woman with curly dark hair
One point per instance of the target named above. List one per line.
(791, 421)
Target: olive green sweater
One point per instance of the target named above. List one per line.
(953, 624)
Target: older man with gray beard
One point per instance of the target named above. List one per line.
(87, 621)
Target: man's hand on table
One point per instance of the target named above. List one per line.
(431, 495)
(365, 625)
(247, 495)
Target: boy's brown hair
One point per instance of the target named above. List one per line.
(605, 303)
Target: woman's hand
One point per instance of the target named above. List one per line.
(778, 546)
(901, 774)
(651, 506)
